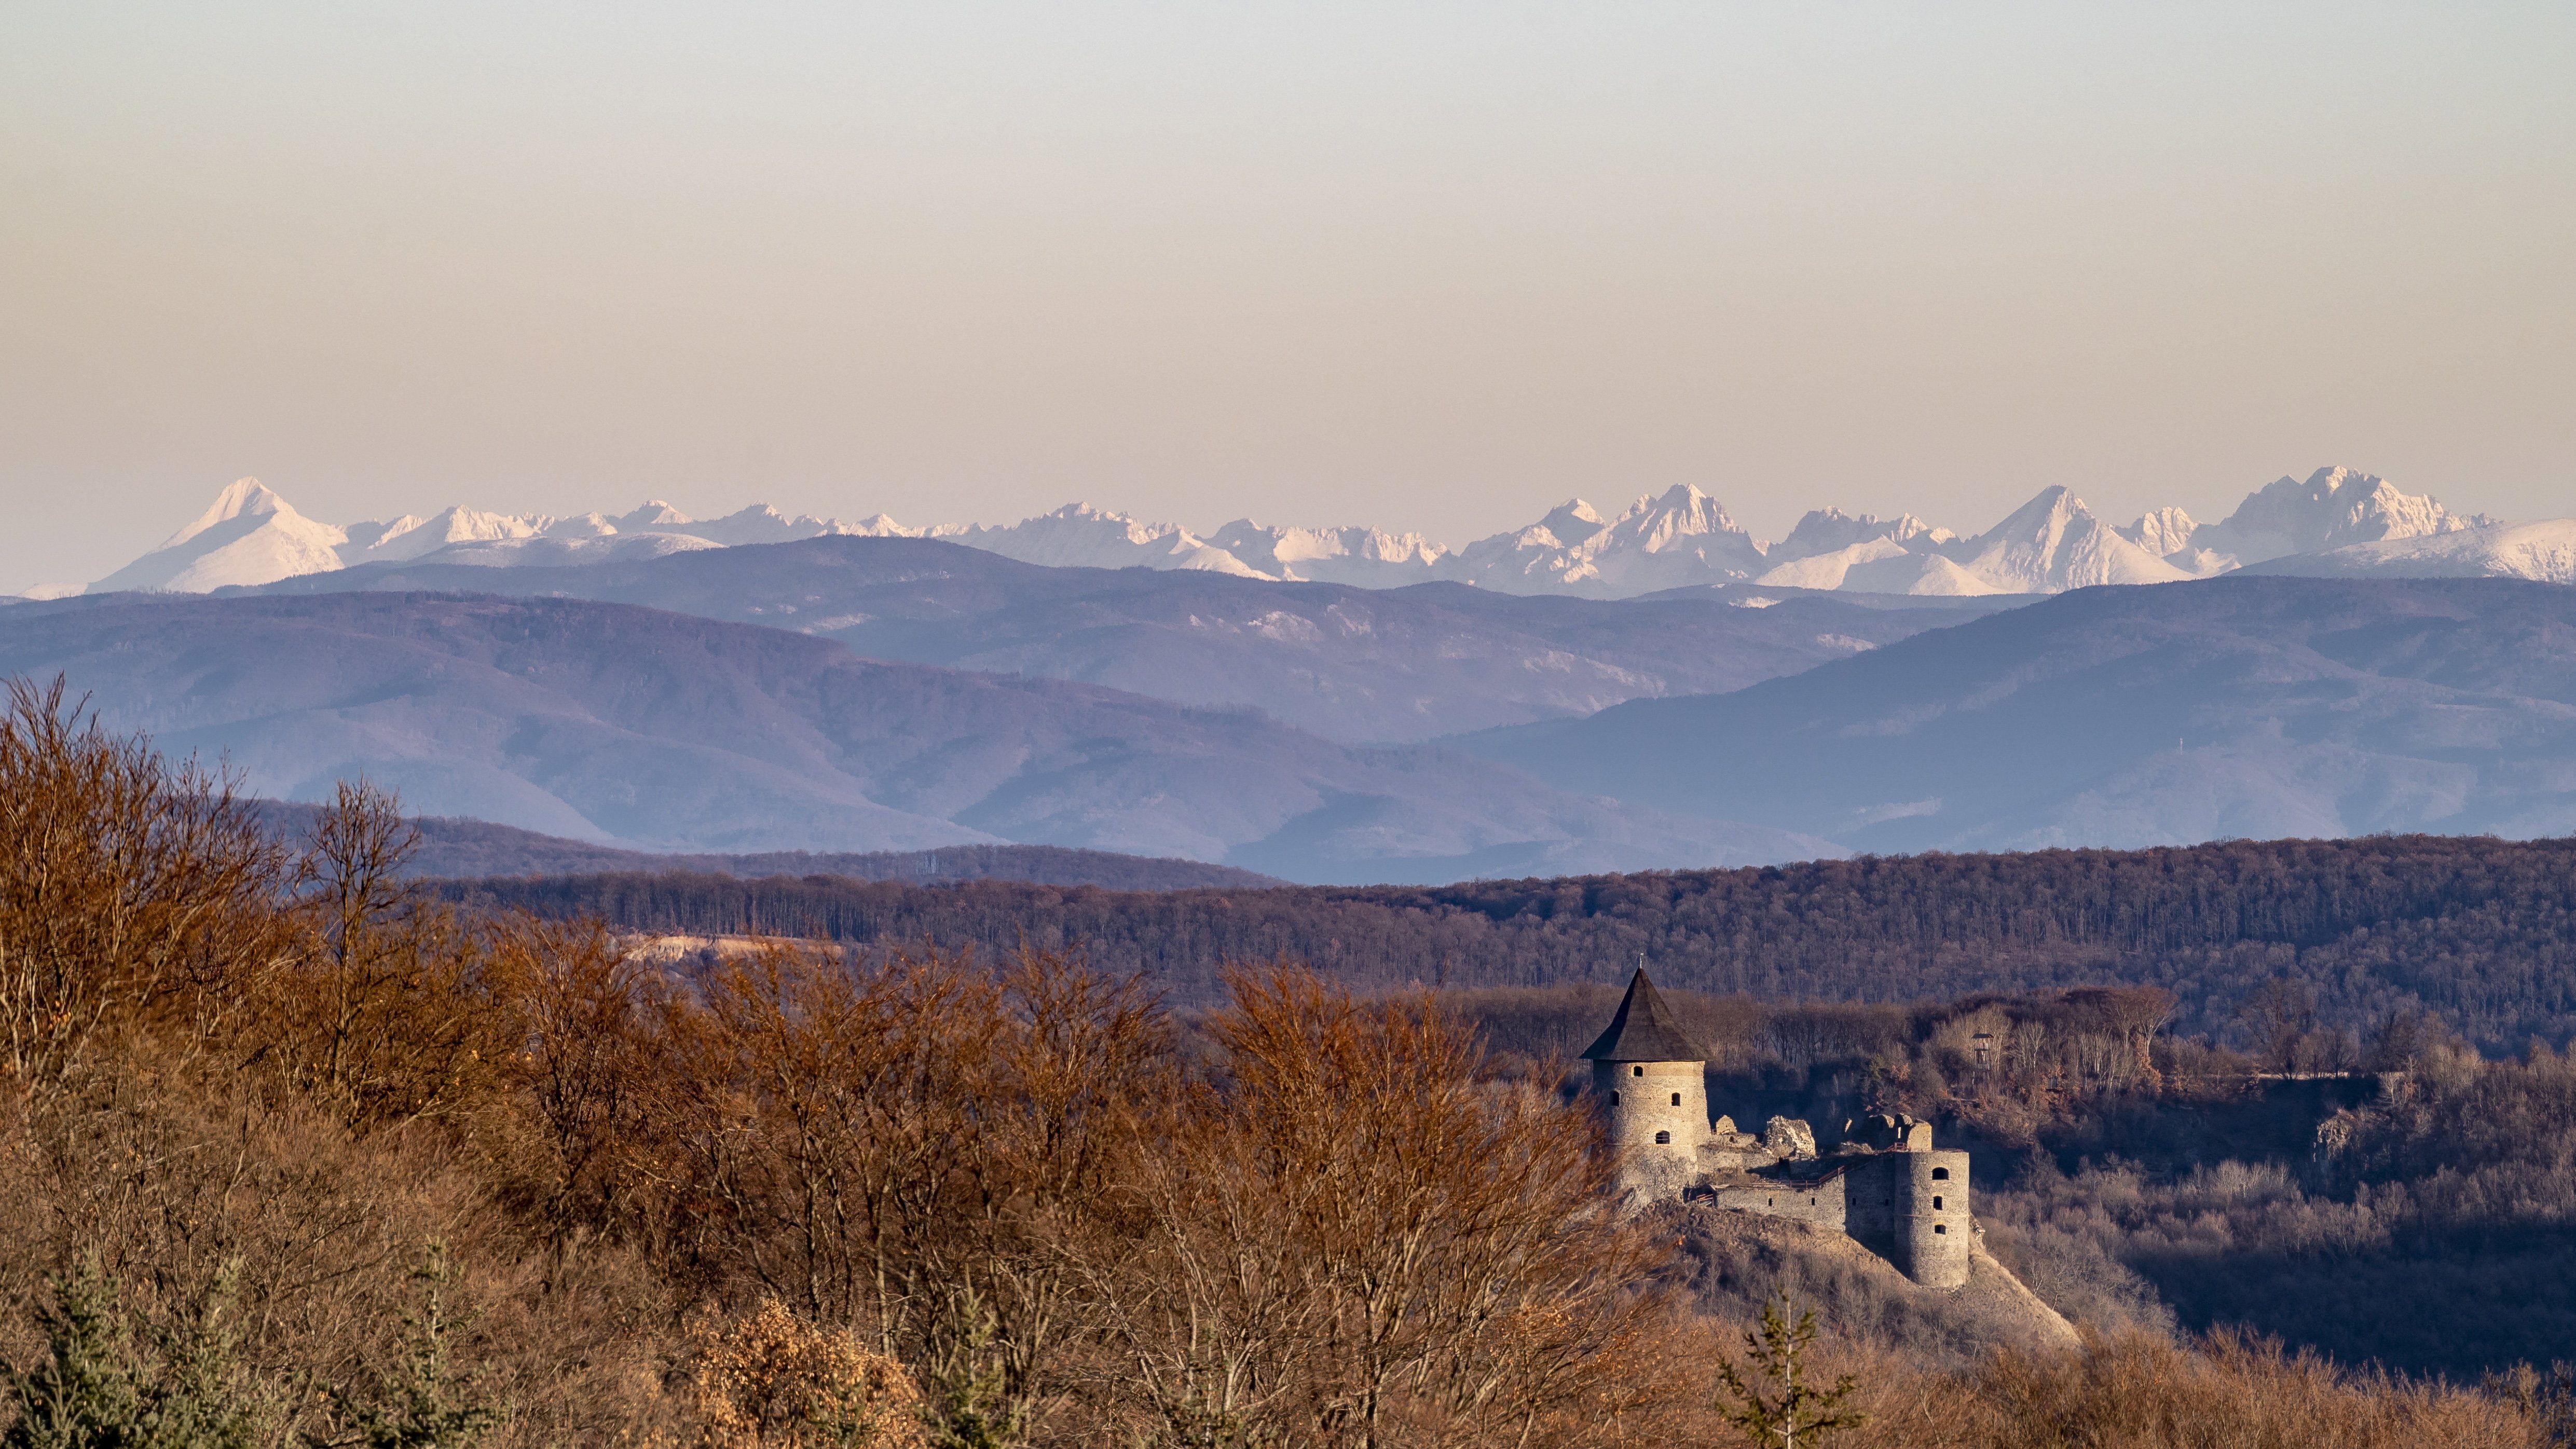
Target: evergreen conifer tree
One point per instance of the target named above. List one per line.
(426, 1402)
(84, 1395)
(1772, 1401)
(181, 1387)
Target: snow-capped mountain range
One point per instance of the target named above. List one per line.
(2337, 520)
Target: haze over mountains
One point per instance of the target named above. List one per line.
(770, 684)
(1683, 538)
(646, 729)
(2245, 706)
(1357, 665)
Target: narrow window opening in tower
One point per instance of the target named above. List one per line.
(1936, 1204)
(1677, 1099)
(1940, 1227)
(1636, 1071)
(1940, 1174)
(1664, 1138)
(1614, 1099)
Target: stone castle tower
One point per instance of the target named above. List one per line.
(1654, 1082)
(1885, 1184)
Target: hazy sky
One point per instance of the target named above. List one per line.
(1430, 267)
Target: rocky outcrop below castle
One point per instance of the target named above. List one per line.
(1730, 1263)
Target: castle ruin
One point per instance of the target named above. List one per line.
(1884, 1184)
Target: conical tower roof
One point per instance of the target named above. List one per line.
(1645, 1030)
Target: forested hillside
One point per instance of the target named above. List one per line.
(664, 732)
(454, 846)
(300, 1155)
(2255, 708)
(2383, 1196)
(2480, 932)
(1359, 665)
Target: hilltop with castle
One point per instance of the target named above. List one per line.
(1885, 1186)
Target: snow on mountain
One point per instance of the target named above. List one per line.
(2049, 545)
(2332, 507)
(584, 525)
(1831, 549)
(1363, 557)
(2543, 551)
(880, 526)
(408, 537)
(1829, 570)
(2167, 533)
(1684, 537)
(2164, 532)
(249, 536)
(1830, 530)
(553, 550)
(1529, 560)
(655, 516)
(1081, 536)
(2054, 543)
(1879, 566)
(759, 523)
(1923, 574)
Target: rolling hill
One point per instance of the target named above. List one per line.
(645, 729)
(2241, 706)
(1352, 664)
(451, 846)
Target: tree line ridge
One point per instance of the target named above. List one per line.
(2478, 931)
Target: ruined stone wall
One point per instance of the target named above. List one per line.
(1869, 1213)
(1820, 1202)
(1889, 1189)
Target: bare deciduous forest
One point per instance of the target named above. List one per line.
(2476, 931)
(2386, 1197)
(295, 1152)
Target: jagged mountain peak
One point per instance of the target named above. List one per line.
(1681, 511)
(2334, 489)
(1354, 555)
(1681, 537)
(2162, 531)
(1827, 530)
(1571, 522)
(593, 524)
(1079, 535)
(2052, 507)
(248, 535)
(2054, 543)
(655, 514)
(239, 499)
(2330, 508)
